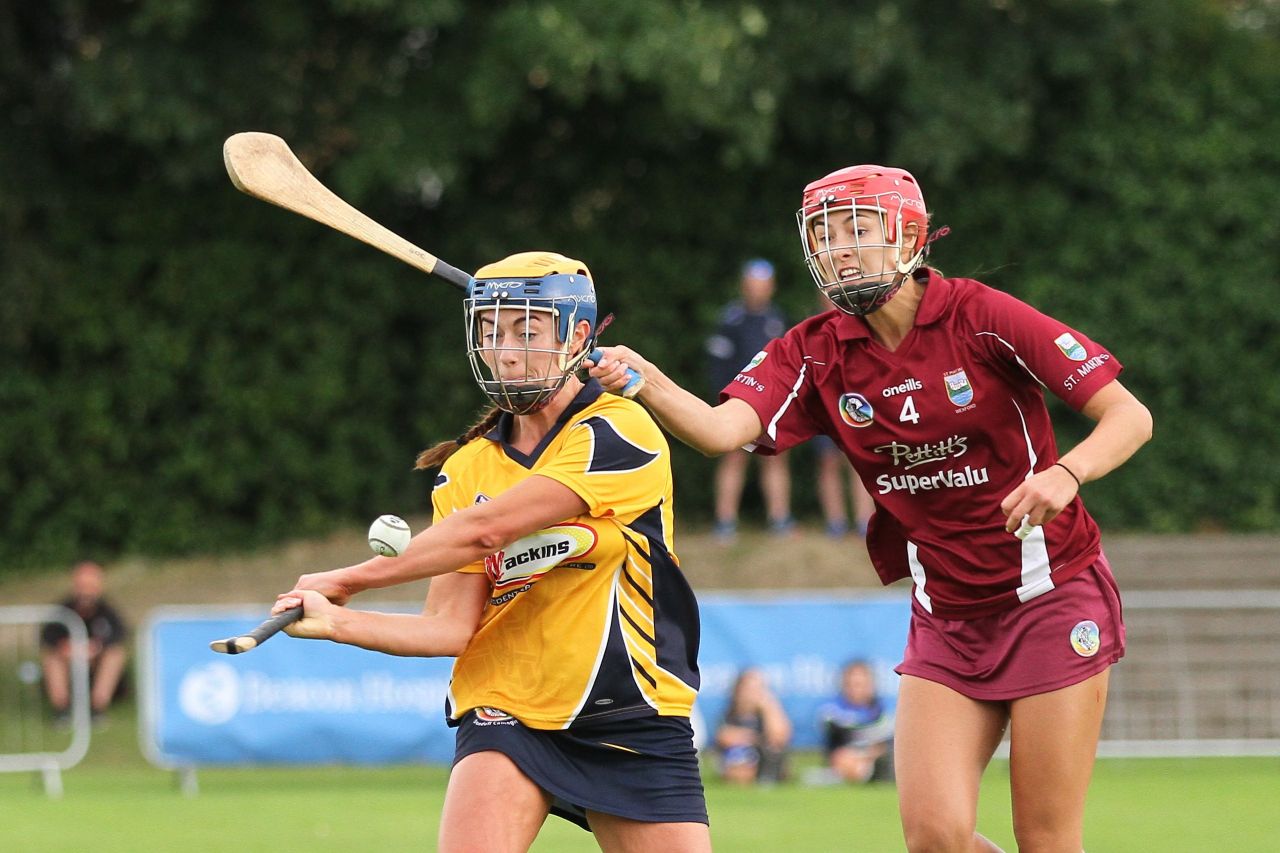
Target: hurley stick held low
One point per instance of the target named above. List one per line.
(258, 636)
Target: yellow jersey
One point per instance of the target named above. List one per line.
(590, 619)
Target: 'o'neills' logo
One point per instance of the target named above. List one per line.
(909, 457)
(911, 384)
(528, 559)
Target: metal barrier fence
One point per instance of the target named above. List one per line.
(28, 742)
(1201, 676)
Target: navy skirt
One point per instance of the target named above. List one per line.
(643, 768)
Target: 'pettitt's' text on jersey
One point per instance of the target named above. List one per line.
(940, 430)
(589, 619)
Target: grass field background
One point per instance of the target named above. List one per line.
(114, 801)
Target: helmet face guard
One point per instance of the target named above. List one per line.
(520, 329)
(893, 196)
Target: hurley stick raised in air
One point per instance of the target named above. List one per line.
(262, 165)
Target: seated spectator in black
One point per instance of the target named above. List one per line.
(754, 736)
(857, 730)
(106, 651)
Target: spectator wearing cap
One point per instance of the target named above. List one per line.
(745, 326)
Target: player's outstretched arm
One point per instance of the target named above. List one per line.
(461, 539)
(711, 430)
(455, 603)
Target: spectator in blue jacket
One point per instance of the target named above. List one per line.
(746, 325)
(857, 730)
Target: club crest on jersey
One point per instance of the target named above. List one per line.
(755, 361)
(1070, 347)
(1085, 638)
(958, 387)
(486, 716)
(855, 410)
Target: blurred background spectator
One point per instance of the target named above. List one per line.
(746, 325)
(106, 651)
(754, 737)
(857, 731)
(835, 477)
(833, 473)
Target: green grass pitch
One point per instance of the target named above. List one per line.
(115, 802)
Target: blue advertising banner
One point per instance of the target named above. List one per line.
(302, 702)
(288, 701)
(801, 640)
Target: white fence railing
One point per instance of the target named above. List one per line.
(27, 742)
(1201, 675)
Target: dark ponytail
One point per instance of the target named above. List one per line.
(434, 457)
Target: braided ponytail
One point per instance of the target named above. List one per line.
(434, 457)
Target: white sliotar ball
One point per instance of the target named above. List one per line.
(389, 535)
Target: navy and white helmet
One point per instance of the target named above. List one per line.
(521, 372)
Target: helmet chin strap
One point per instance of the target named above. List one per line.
(588, 346)
(852, 301)
(570, 364)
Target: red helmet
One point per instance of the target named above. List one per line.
(896, 196)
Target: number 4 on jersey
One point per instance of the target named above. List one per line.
(909, 412)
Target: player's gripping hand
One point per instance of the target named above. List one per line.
(331, 584)
(317, 614)
(611, 371)
(1039, 498)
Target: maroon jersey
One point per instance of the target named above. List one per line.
(940, 431)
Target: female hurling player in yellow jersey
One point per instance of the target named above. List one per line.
(555, 585)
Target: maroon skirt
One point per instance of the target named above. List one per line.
(1055, 640)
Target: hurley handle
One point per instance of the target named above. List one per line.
(634, 380)
(259, 635)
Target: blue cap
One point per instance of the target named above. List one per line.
(757, 268)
